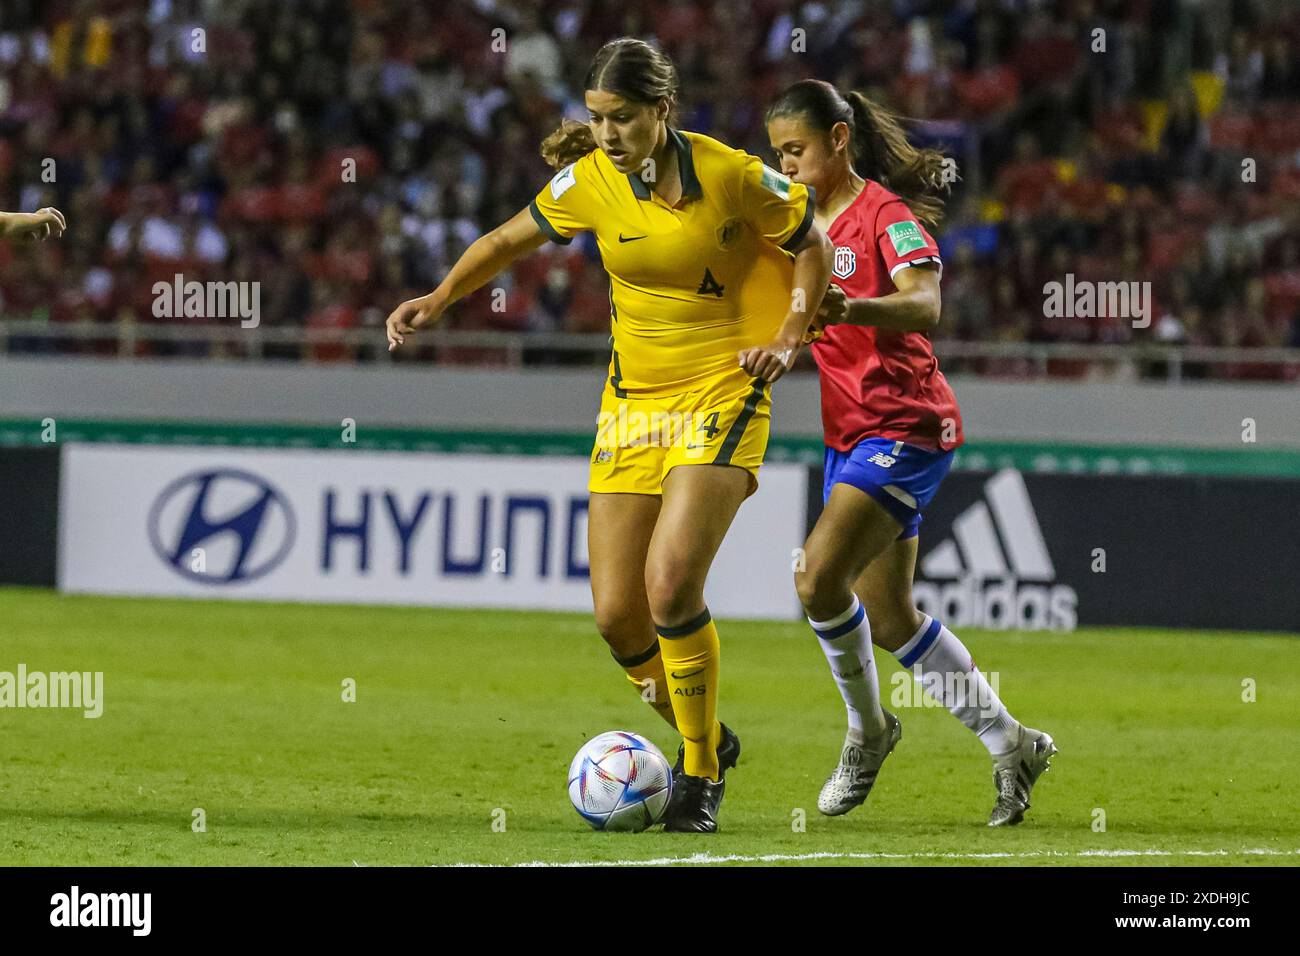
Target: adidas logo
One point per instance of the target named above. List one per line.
(1001, 573)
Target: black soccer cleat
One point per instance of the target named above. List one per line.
(695, 800)
(694, 805)
(728, 754)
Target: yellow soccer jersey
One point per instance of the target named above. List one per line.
(690, 285)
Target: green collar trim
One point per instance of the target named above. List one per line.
(685, 165)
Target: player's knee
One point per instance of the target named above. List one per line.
(822, 591)
(627, 630)
(673, 592)
(805, 585)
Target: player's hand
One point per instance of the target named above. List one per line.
(833, 310)
(43, 224)
(769, 362)
(411, 315)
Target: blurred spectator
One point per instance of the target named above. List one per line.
(343, 153)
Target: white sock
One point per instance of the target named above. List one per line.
(943, 665)
(846, 641)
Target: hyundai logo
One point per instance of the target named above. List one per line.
(221, 526)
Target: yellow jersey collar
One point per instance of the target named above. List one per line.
(685, 165)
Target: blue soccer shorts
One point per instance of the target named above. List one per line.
(902, 478)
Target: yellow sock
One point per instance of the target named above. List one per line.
(690, 657)
(645, 672)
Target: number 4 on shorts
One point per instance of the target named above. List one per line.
(710, 426)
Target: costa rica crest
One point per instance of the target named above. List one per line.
(846, 262)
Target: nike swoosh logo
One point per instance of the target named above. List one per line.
(629, 238)
(677, 676)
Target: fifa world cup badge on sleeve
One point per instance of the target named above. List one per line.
(906, 237)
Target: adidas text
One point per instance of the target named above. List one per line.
(999, 605)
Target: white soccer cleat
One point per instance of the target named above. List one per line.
(1014, 775)
(851, 781)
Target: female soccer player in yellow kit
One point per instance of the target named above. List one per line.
(715, 270)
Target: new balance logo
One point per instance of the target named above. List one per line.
(881, 459)
(996, 547)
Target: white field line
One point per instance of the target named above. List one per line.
(708, 859)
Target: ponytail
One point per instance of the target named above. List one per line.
(881, 151)
(878, 147)
(568, 144)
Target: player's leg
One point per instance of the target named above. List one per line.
(619, 527)
(852, 530)
(699, 503)
(719, 448)
(874, 495)
(937, 658)
(943, 666)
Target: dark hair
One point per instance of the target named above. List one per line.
(631, 68)
(878, 147)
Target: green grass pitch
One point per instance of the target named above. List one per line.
(237, 708)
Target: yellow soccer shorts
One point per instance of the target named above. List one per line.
(638, 440)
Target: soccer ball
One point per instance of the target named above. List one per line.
(620, 781)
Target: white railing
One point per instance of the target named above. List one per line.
(230, 341)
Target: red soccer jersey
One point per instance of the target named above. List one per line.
(878, 382)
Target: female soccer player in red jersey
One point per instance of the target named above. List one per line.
(891, 424)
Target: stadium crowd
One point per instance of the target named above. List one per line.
(343, 152)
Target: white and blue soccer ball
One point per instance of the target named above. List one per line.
(620, 781)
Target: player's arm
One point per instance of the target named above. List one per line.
(486, 256)
(781, 212)
(39, 225)
(812, 275)
(913, 308)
